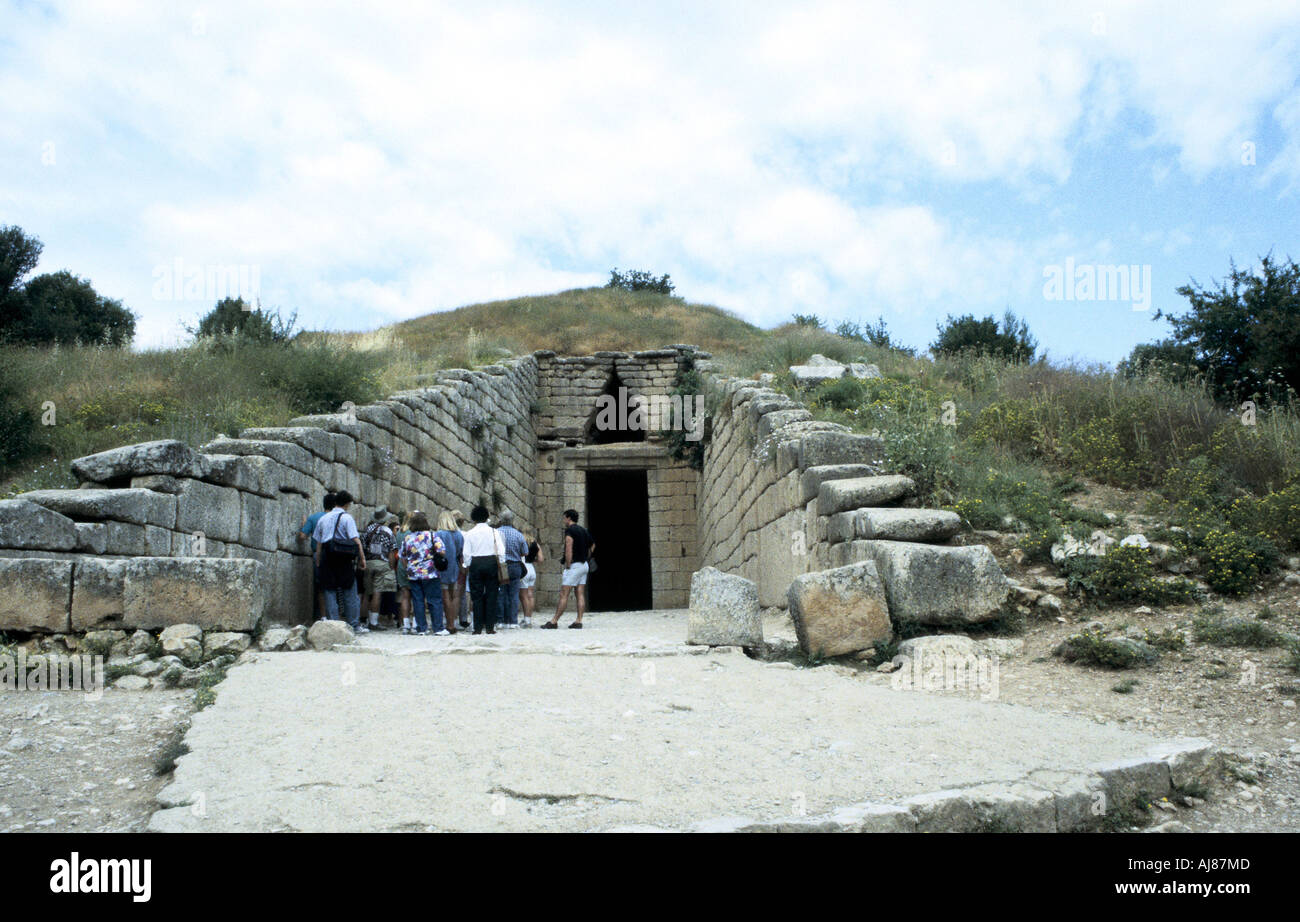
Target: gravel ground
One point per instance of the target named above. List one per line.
(72, 763)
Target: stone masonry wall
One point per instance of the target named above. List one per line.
(229, 513)
(757, 514)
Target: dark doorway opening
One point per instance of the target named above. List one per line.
(618, 517)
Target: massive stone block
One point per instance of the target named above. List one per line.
(220, 595)
(36, 595)
(935, 585)
(259, 522)
(212, 510)
(723, 610)
(844, 495)
(24, 524)
(831, 447)
(98, 596)
(137, 506)
(840, 611)
(894, 525)
(167, 456)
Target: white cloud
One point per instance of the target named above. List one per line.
(387, 161)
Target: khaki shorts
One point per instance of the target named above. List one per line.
(379, 578)
(575, 575)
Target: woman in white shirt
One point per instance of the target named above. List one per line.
(484, 555)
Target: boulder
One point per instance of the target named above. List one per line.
(846, 495)
(275, 638)
(297, 638)
(859, 370)
(183, 641)
(140, 642)
(24, 524)
(820, 361)
(941, 646)
(937, 585)
(724, 610)
(36, 595)
(223, 643)
(132, 683)
(102, 642)
(840, 611)
(325, 634)
(166, 456)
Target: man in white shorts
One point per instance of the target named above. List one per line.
(578, 548)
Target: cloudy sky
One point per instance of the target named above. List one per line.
(371, 162)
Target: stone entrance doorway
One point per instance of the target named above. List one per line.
(618, 515)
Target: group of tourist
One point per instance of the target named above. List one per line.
(401, 567)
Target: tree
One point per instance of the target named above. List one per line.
(19, 254)
(59, 308)
(638, 280)
(234, 317)
(966, 335)
(1245, 333)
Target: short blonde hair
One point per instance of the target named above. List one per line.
(447, 522)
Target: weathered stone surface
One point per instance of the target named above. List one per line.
(297, 638)
(929, 584)
(36, 595)
(183, 641)
(839, 611)
(940, 646)
(325, 634)
(98, 598)
(166, 456)
(207, 509)
(92, 537)
(132, 683)
(136, 506)
(724, 610)
(844, 495)
(102, 642)
(221, 595)
(316, 441)
(1190, 761)
(24, 524)
(275, 638)
(838, 447)
(860, 370)
(812, 375)
(224, 643)
(811, 480)
(906, 524)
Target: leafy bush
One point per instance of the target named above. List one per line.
(1037, 545)
(1124, 574)
(638, 280)
(845, 393)
(59, 308)
(1215, 626)
(1009, 341)
(1094, 648)
(1231, 562)
(808, 320)
(319, 378)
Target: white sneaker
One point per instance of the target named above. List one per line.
(362, 629)
(443, 633)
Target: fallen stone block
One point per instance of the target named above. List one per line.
(225, 643)
(724, 610)
(905, 524)
(166, 456)
(811, 480)
(25, 524)
(839, 611)
(935, 585)
(851, 494)
(36, 596)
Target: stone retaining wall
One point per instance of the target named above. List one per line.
(238, 502)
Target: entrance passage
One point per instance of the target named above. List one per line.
(618, 517)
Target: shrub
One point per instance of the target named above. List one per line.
(18, 433)
(1214, 626)
(845, 393)
(319, 378)
(1124, 574)
(234, 317)
(1093, 648)
(639, 280)
(1232, 562)
(1037, 545)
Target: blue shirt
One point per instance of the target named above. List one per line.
(310, 526)
(515, 542)
(454, 542)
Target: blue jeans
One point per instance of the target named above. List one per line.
(508, 595)
(427, 592)
(351, 605)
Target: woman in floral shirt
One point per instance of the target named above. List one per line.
(417, 554)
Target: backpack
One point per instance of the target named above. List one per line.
(374, 542)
